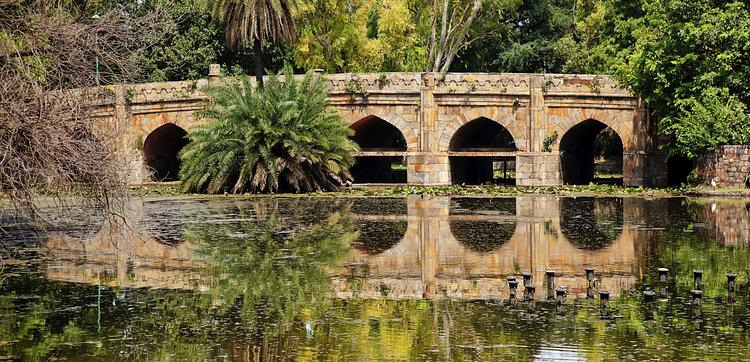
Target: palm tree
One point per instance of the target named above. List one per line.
(282, 137)
(255, 21)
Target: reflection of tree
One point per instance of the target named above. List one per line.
(266, 274)
(591, 223)
(271, 271)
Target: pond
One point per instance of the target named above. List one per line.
(422, 278)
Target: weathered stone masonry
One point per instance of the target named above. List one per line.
(429, 109)
(729, 165)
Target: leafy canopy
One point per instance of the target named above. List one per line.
(282, 137)
(690, 61)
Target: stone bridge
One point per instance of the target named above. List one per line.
(454, 128)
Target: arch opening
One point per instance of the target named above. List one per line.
(382, 156)
(160, 150)
(591, 152)
(482, 151)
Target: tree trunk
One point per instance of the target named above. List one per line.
(258, 52)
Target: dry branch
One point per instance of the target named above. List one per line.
(54, 140)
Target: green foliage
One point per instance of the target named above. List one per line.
(188, 49)
(558, 36)
(549, 140)
(361, 36)
(713, 118)
(356, 87)
(282, 137)
(690, 61)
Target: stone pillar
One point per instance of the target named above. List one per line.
(214, 73)
(538, 115)
(131, 154)
(536, 167)
(424, 168)
(634, 168)
(427, 166)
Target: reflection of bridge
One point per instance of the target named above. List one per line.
(459, 248)
(445, 129)
(434, 258)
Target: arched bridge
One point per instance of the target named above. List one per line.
(440, 129)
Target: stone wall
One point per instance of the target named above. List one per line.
(729, 164)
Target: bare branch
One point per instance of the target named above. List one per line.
(54, 139)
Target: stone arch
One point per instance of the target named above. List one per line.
(375, 133)
(383, 147)
(476, 147)
(409, 133)
(577, 146)
(160, 149)
(482, 133)
(507, 121)
(621, 121)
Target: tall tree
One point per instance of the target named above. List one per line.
(254, 22)
(453, 27)
(690, 61)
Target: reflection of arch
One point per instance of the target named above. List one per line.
(483, 235)
(376, 237)
(17, 230)
(382, 145)
(577, 150)
(474, 148)
(591, 223)
(162, 223)
(160, 151)
(81, 223)
(380, 206)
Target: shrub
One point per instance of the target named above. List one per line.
(282, 137)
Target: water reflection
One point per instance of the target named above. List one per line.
(591, 223)
(384, 279)
(465, 248)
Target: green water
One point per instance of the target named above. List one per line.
(379, 279)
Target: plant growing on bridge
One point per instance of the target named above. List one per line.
(282, 137)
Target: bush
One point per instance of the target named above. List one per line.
(282, 137)
(712, 119)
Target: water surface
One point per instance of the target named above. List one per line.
(379, 279)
